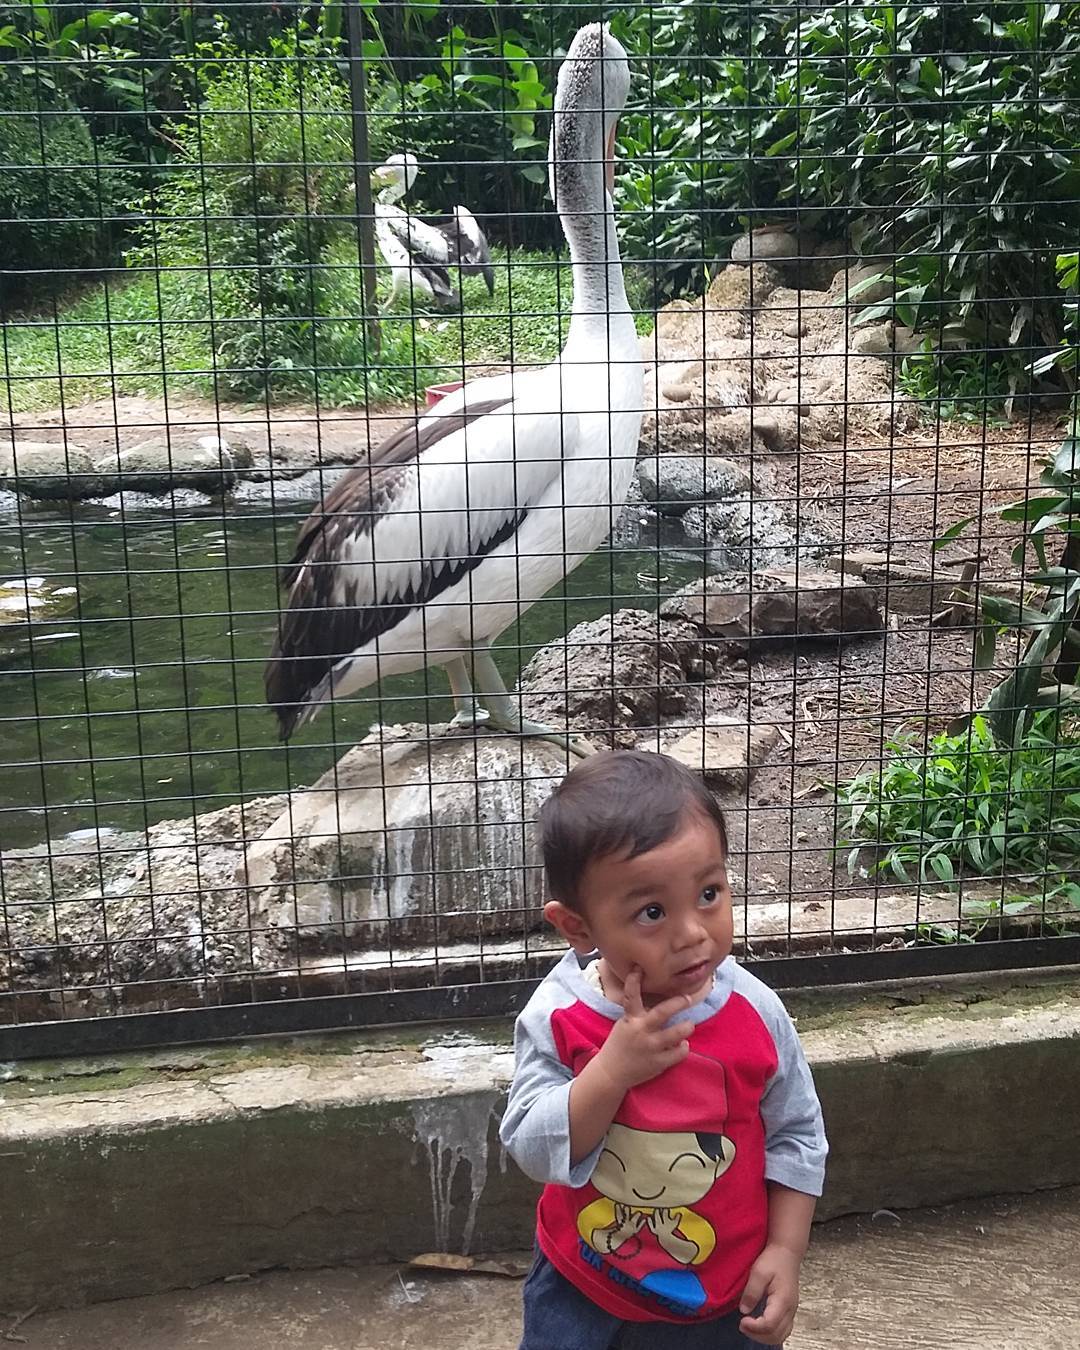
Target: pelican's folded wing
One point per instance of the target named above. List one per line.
(399, 529)
(426, 245)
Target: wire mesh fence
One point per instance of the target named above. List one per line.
(318, 404)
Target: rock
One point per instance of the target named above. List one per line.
(778, 602)
(207, 465)
(855, 561)
(726, 750)
(787, 397)
(746, 532)
(867, 283)
(765, 244)
(239, 451)
(677, 318)
(624, 669)
(794, 329)
(48, 470)
(676, 482)
(136, 906)
(379, 848)
(678, 393)
(873, 340)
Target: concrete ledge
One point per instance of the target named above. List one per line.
(126, 1176)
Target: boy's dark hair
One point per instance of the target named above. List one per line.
(617, 801)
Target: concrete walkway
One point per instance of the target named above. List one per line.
(1001, 1274)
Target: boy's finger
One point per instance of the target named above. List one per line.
(632, 992)
(674, 1037)
(752, 1303)
(663, 1012)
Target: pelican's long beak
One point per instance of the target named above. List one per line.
(609, 161)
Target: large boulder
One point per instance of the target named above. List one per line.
(208, 464)
(674, 483)
(49, 470)
(627, 669)
(411, 837)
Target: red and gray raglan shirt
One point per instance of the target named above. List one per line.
(664, 1219)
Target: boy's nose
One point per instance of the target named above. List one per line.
(690, 933)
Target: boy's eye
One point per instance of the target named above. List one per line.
(710, 895)
(650, 914)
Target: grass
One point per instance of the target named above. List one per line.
(970, 806)
(150, 333)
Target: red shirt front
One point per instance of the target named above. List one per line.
(676, 1211)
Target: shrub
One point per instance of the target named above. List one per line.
(969, 804)
(260, 187)
(59, 192)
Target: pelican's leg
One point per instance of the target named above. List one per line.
(470, 713)
(506, 711)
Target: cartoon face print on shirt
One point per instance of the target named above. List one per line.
(650, 1176)
(649, 1183)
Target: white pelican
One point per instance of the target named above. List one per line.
(421, 251)
(450, 529)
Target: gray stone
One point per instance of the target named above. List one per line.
(779, 602)
(855, 561)
(48, 470)
(628, 669)
(207, 465)
(676, 482)
(677, 393)
(873, 340)
(376, 850)
(726, 750)
(766, 244)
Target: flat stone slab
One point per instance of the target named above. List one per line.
(726, 751)
(779, 602)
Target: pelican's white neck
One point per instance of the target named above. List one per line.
(599, 287)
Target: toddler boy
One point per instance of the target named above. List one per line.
(659, 1089)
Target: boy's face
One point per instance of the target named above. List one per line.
(667, 911)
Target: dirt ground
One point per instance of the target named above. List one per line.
(997, 1274)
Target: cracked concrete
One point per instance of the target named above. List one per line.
(999, 1273)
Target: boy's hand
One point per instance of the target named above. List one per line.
(774, 1277)
(640, 1046)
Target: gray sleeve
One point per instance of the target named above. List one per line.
(535, 1128)
(795, 1143)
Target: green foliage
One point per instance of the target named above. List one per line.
(969, 804)
(1047, 672)
(472, 115)
(1066, 357)
(260, 187)
(157, 320)
(67, 54)
(58, 189)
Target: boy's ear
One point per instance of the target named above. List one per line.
(571, 925)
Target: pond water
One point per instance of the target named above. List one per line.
(145, 701)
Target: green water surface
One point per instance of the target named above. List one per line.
(145, 701)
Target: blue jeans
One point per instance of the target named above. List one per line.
(560, 1317)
